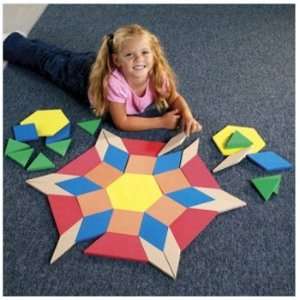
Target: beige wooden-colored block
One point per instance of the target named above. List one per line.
(223, 201)
(66, 241)
(189, 152)
(157, 258)
(140, 164)
(232, 159)
(172, 252)
(114, 140)
(101, 145)
(47, 184)
(173, 143)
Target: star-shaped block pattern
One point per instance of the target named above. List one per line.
(134, 202)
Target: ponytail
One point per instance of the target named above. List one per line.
(98, 78)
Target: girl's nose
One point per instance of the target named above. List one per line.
(138, 57)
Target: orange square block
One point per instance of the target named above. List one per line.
(125, 222)
(104, 174)
(94, 202)
(166, 210)
(140, 164)
(172, 181)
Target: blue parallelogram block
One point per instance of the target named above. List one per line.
(25, 132)
(167, 162)
(189, 197)
(153, 231)
(94, 225)
(78, 186)
(270, 161)
(116, 158)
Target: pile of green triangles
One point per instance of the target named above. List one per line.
(21, 154)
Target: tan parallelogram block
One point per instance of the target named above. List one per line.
(47, 184)
(66, 241)
(223, 201)
(232, 159)
(173, 143)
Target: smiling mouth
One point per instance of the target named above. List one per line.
(139, 67)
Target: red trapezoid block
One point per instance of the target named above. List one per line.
(141, 147)
(116, 245)
(198, 174)
(190, 224)
(66, 211)
(82, 164)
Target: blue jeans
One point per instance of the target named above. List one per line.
(67, 69)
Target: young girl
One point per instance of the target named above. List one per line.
(129, 73)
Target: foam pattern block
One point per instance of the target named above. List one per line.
(238, 140)
(189, 197)
(79, 186)
(25, 133)
(90, 126)
(40, 163)
(48, 122)
(93, 226)
(21, 157)
(270, 161)
(14, 146)
(60, 147)
(153, 231)
(116, 158)
(64, 133)
(267, 185)
(167, 162)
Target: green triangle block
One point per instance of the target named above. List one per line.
(13, 146)
(21, 157)
(238, 140)
(90, 126)
(60, 147)
(267, 185)
(41, 162)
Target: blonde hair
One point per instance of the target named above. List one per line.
(103, 66)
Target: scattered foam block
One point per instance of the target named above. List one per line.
(232, 159)
(60, 147)
(25, 132)
(267, 185)
(270, 161)
(41, 162)
(63, 134)
(238, 140)
(220, 139)
(14, 146)
(90, 126)
(48, 121)
(21, 157)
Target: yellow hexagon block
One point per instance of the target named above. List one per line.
(47, 122)
(224, 134)
(134, 192)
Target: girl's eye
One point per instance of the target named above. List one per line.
(145, 52)
(128, 55)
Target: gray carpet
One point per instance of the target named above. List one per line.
(235, 65)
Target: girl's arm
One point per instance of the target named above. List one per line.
(135, 123)
(190, 125)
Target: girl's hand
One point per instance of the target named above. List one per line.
(190, 125)
(170, 119)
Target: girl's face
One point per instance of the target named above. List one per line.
(135, 58)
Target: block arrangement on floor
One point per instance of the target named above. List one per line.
(122, 194)
(239, 142)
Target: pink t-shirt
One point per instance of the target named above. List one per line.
(120, 91)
